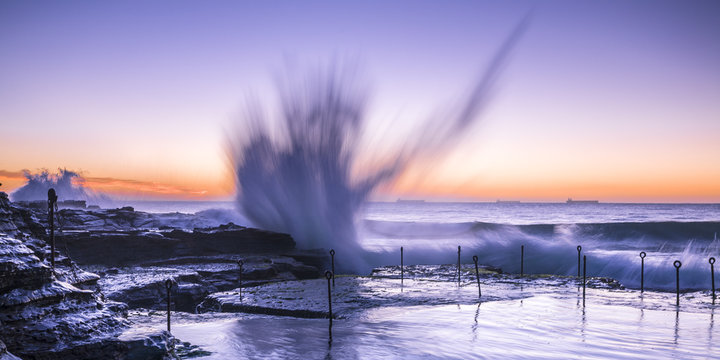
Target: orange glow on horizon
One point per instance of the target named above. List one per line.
(138, 189)
(668, 189)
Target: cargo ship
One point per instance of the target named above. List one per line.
(403, 201)
(571, 201)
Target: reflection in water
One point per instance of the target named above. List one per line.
(475, 325)
(329, 346)
(542, 325)
(677, 327)
(642, 307)
(577, 304)
(710, 329)
(583, 323)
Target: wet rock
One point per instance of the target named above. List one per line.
(195, 279)
(20, 266)
(127, 219)
(4, 354)
(46, 314)
(604, 283)
(123, 248)
(147, 343)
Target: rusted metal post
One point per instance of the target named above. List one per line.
(712, 275)
(477, 275)
(328, 276)
(677, 264)
(584, 276)
(642, 271)
(52, 200)
(332, 265)
(168, 286)
(240, 265)
(402, 270)
(458, 266)
(522, 259)
(579, 249)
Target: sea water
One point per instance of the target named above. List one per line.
(611, 236)
(532, 317)
(524, 318)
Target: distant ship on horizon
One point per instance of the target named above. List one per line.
(405, 201)
(571, 201)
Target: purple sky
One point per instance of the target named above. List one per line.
(618, 100)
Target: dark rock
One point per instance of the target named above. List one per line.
(196, 277)
(144, 344)
(4, 354)
(123, 248)
(55, 315)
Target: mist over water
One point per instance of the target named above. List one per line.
(297, 172)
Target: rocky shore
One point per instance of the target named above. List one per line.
(109, 261)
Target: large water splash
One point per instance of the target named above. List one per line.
(68, 184)
(300, 175)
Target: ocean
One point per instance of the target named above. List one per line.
(611, 236)
(538, 316)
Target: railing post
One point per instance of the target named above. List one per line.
(332, 265)
(168, 286)
(522, 259)
(477, 275)
(579, 249)
(328, 276)
(458, 266)
(712, 275)
(677, 264)
(584, 276)
(642, 271)
(402, 271)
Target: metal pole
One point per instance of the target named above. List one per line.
(522, 259)
(677, 265)
(240, 264)
(642, 271)
(712, 275)
(329, 275)
(332, 263)
(477, 275)
(52, 200)
(402, 271)
(168, 286)
(584, 278)
(458, 266)
(579, 249)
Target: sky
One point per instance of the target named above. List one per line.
(608, 100)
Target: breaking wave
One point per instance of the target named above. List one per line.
(612, 249)
(69, 185)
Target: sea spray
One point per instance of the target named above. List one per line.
(297, 172)
(68, 184)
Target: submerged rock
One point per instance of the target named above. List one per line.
(195, 278)
(423, 285)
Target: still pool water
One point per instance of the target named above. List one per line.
(547, 322)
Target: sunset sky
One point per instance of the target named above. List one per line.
(608, 100)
